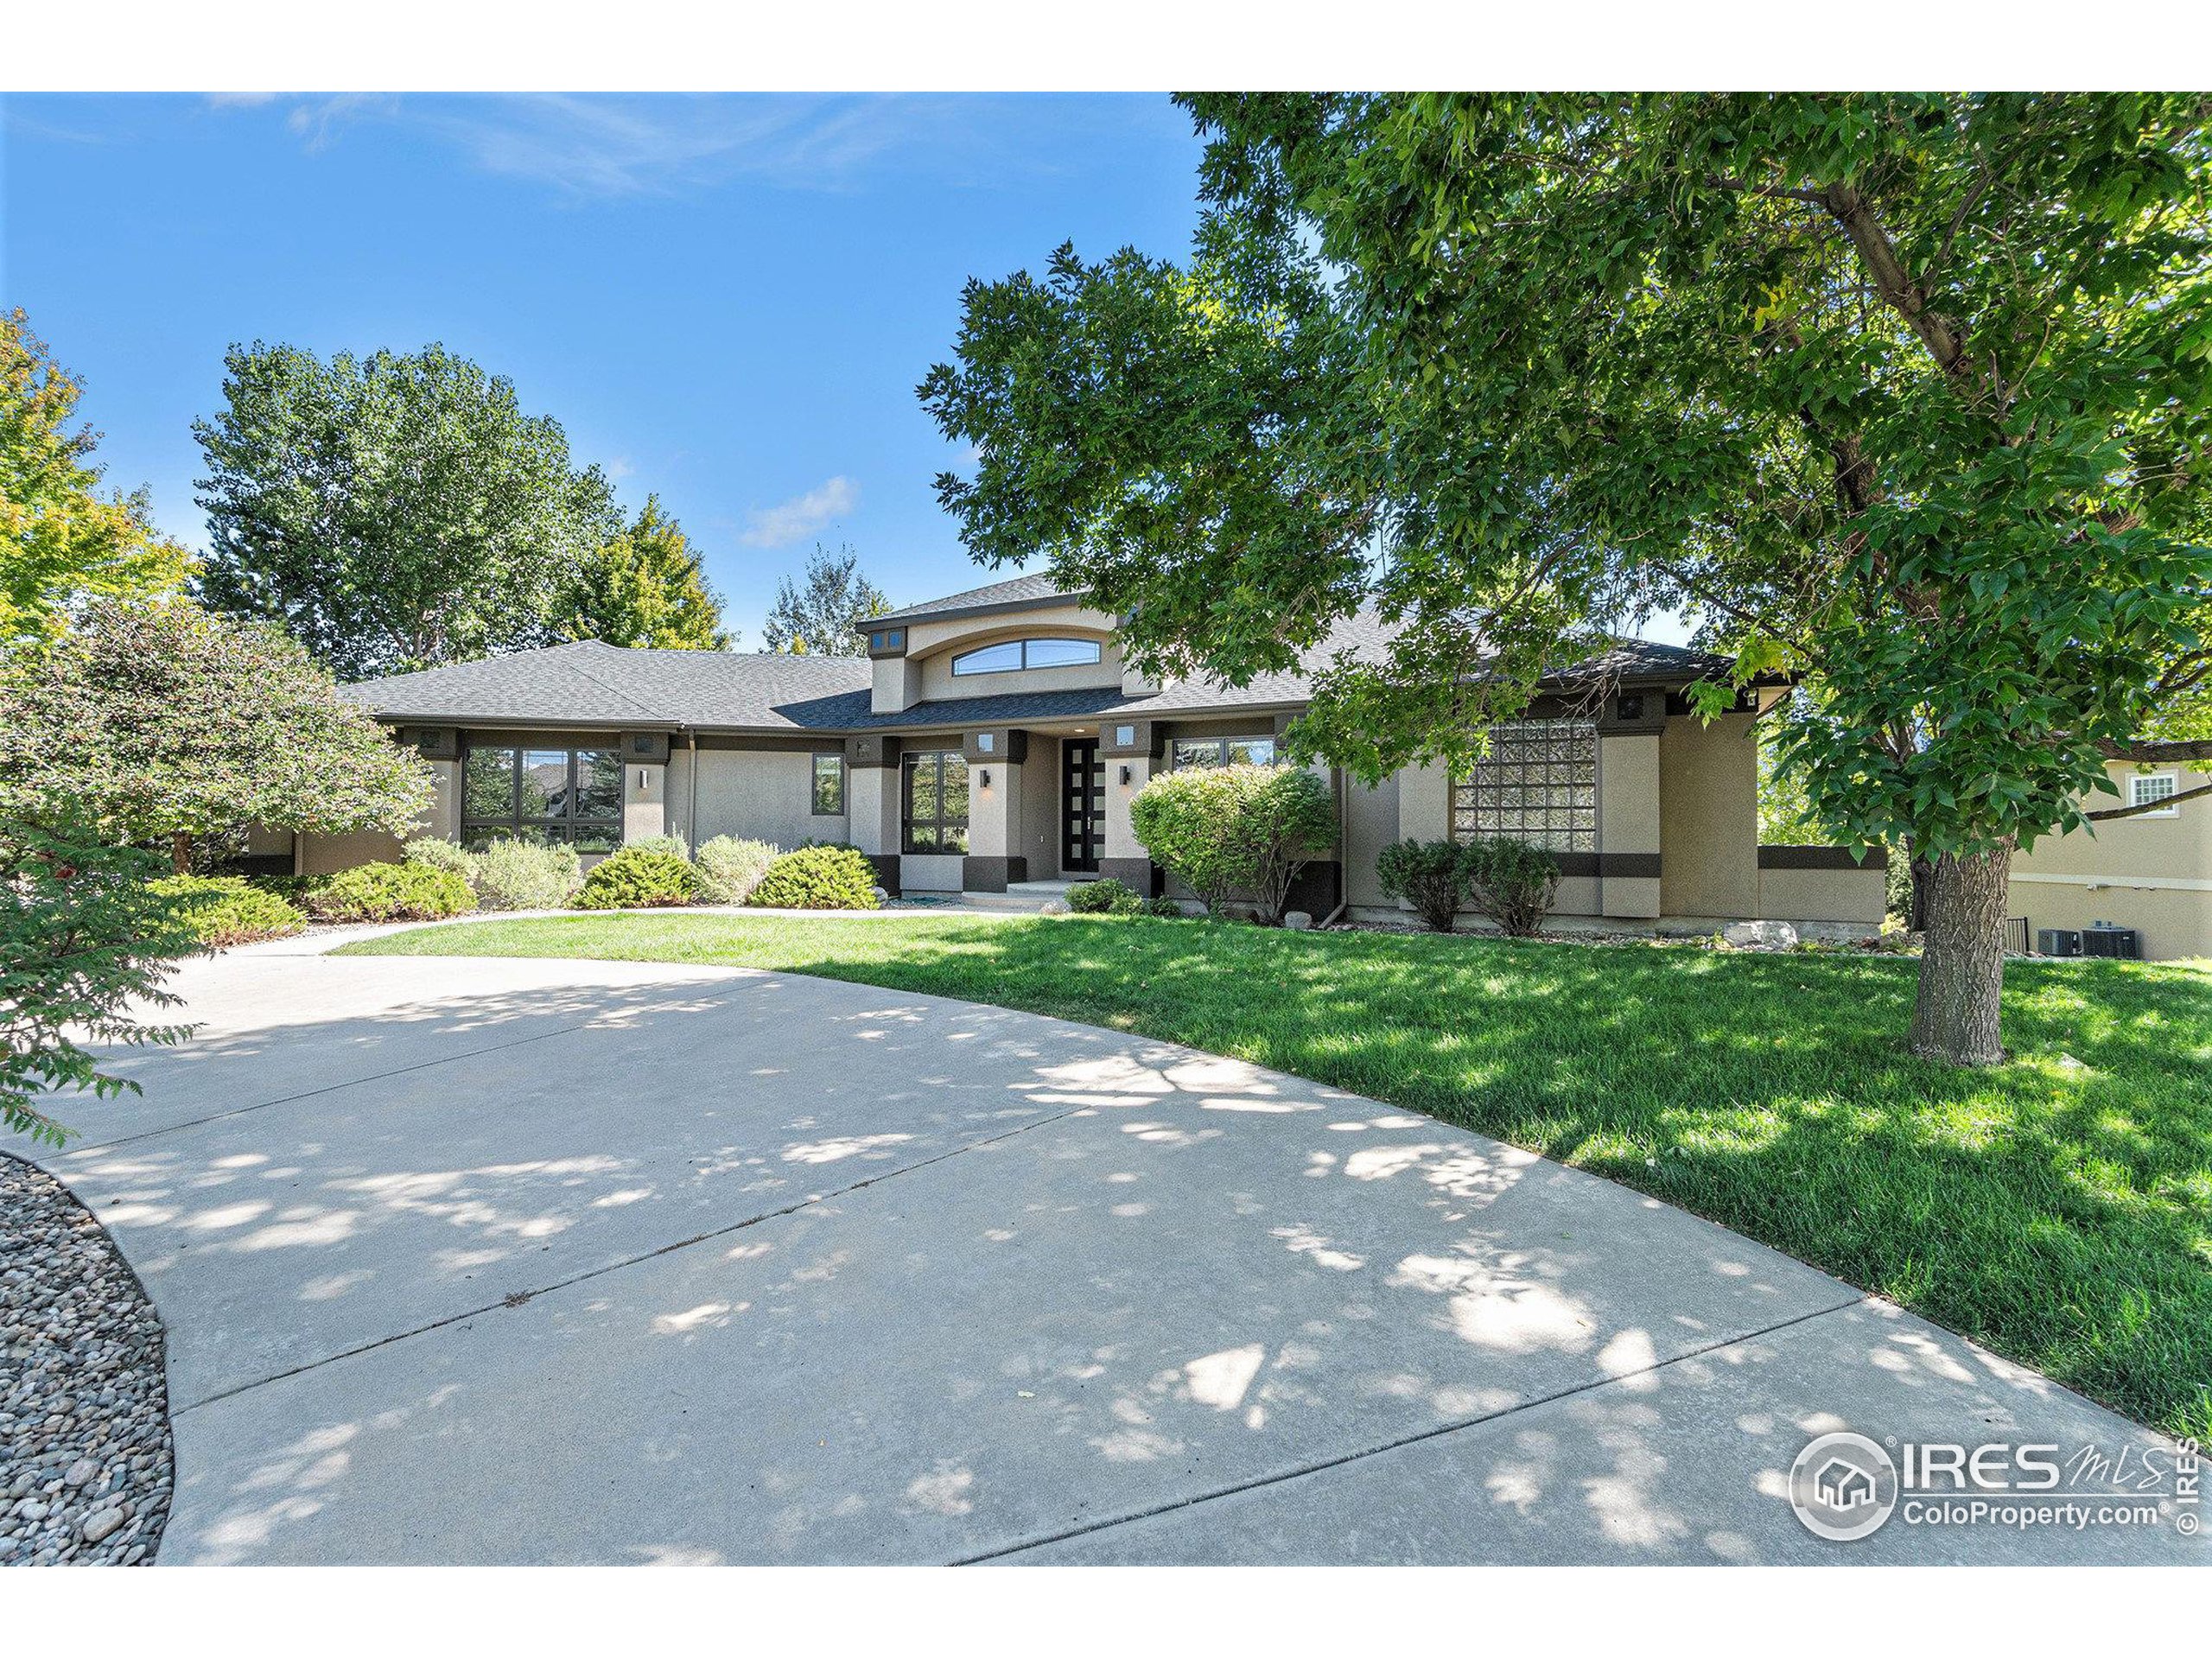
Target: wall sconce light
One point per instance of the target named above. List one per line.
(1125, 776)
(984, 777)
(643, 785)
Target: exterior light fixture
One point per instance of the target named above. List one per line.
(984, 777)
(1125, 776)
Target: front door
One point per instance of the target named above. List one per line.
(1082, 804)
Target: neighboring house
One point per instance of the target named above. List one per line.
(2152, 872)
(994, 738)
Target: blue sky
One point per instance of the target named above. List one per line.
(727, 301)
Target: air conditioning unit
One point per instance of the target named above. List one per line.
(2104, 940)
(2057, 942)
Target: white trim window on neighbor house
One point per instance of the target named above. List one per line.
(2147, 786)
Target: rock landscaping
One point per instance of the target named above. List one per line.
(85, 1454)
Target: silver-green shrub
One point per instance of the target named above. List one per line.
(730, 869)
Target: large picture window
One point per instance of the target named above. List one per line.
(936, 802)
(571, 795)
(1008, 655)
(1225, 751)
(1538, 783)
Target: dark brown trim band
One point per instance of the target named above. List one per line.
(886, 866)
(1821, 858)
(1628, 865)
(1140, 874)
(985, 874)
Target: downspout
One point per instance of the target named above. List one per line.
(1343, 849)
(691, 789)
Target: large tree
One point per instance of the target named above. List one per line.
(818, 616)
(62, 540)
(163, 722)
(644, 587)
(392, 512)
(1907, 395)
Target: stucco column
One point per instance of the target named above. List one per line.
(1124, 857)
(1628, 823)
(995, 855)
(442, 819)
(644, 801)
(872, 804)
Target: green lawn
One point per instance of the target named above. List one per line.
(2057, 1209)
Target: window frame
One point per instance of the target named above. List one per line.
(1577, 835)
(1021, 663)
(813, 783)
(571, 828)
(942, 762)
(1220, 745)
(2171, 779)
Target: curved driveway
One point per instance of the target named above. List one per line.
(526, 1260)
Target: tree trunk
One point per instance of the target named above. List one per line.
(1924, 878)
(180, 852)
(1962, 966)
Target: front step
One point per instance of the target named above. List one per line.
(1029, 896)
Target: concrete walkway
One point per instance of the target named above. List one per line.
(533, 1261)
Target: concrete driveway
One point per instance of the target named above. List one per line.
(515, 1261)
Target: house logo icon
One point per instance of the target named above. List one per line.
(1843, 1487)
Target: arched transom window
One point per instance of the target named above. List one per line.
(1008, 655)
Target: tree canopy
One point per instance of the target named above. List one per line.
(393, 511)
(61, 540)
(644, 587)
(164, 722)
(817, 615)
(1906, 395)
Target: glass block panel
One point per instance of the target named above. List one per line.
(1538, 783)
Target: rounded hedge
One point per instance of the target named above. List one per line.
(224, 910)
(391, 893)
(512, 873)
(730, 869)
(1109, 896)
(637, 877)
(818, 878)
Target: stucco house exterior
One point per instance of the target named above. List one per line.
(990, 742)
(2152, 872)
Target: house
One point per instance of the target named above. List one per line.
(2152, 872)
(992, 741)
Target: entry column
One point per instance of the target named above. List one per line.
(1131, 750)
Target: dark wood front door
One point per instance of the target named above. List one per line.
(1082, 804)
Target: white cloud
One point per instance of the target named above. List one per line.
(786, 521)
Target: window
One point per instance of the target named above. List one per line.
(1011, 654)
(935, 797)
(1538, 783)
(828, 785)
(887, 639)
(2154, 786)
(571, 795)
(1225, 751)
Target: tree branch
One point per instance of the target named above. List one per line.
(2155, 750)
(2148, 806)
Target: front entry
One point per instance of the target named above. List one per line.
(1082, 804)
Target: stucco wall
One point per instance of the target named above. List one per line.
(2149, 873)
(2173, 923)
(1857, 896)
(327, 854)
(939, 682)
(1370, 823)
(762, 795)
(1709, 818)
(930, 872)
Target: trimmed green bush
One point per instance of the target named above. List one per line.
(391, 893)
(636, 877)
(442, 855)
(222, 910)
(1166, 908)
(1108, 898)
(1225, 829)
(730, 869)
(1512, 883)
(818, 878)
(293, 890)
(1430, 875)
(512, 873)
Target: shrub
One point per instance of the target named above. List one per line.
(391, 893)
(1107, 897)
(728, 868)
(223, 910)
(818, 878)
(1430, 875)
(1512, 883)
(635, 877)
(293, 890)
(1224, 829)
(672, 845)
(1164, 907)
(442, 855)
(512, 873)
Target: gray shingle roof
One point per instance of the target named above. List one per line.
(590, 684)
(1018, 593)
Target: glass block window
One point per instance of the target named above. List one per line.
(1225, 751)
(1538, 783)
(2143, 788)
(571, 795)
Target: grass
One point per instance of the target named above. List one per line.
(2057, 1208)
